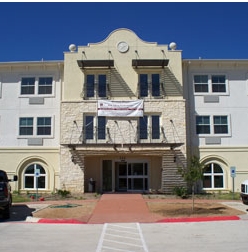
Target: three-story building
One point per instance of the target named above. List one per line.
(122, 116)
(217, 111)
(30, 123)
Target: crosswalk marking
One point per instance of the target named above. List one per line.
(126, 237)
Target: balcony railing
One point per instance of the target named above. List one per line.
(113, 136)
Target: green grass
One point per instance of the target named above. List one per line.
(18, 198)
(228, 196)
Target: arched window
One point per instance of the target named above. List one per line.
(213, 176)
(30, 179)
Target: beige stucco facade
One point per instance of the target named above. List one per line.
(104, 160)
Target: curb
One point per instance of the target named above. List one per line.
(167, 220)
(199, 219)
(53, 221)
(61, 221)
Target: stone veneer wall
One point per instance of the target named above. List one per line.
(171, 161)
(173, 121)
(172, 115)
(71, 175)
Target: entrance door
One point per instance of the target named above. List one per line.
(132, 176)
(107, 175)
(121, 176)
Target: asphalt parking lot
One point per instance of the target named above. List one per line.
(228, 236)
(17, 234)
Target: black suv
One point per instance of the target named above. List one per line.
(5, 194)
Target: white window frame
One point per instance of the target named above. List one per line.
(212, 174)
(36, 85)
(35, 181)
(35, 119)
(96, 82)
(149, 130)
(211, 118)
(95, 130)
(149, 80)
(210, 92)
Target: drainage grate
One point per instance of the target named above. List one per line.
(65, 206)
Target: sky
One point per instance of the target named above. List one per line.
(34, 31)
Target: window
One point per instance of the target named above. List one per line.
(45, 85)
(90, 83)
(102, 80)
(33, 182)
(155, 127)
(211, 84)
(149, 127)
(149, 85)
(218, 83)
(96, 85)
(26, 126)
(201, 83)
(143, 125)
(220, 125)
(89, 127)
(101, 127)
(92, 123)
(27, 85)
(29, 126)
(36, 86)
(44, 126)
(202, 125)
(213, 176)
(155, 85)
(217, 124)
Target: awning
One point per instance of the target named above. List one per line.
(150, 63)
(143, 147)
(95, 63)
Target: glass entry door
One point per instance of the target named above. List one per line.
(132, 176)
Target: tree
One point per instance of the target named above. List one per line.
(192, 174)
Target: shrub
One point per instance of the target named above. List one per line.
(181, 192)
(63, 193)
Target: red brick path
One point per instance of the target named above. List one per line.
(120, 208)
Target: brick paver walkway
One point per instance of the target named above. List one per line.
(122, 208)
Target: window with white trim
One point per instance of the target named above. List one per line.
(28, 86)
(213, 176)
(212, 125)
(94, 127)
(201, 83)
(44, 125)
(37, 85)
(30, 179)
(149, 85)
(45, 85)
(26, 126)
(210, 83)
(29, 126)
(96, 86)
(149, 127)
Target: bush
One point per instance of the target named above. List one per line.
(63, 193)
(180, 191)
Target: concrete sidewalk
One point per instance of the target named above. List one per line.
(122, 208)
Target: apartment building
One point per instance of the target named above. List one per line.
(30, 123)
(217, 114)
(122, 116)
